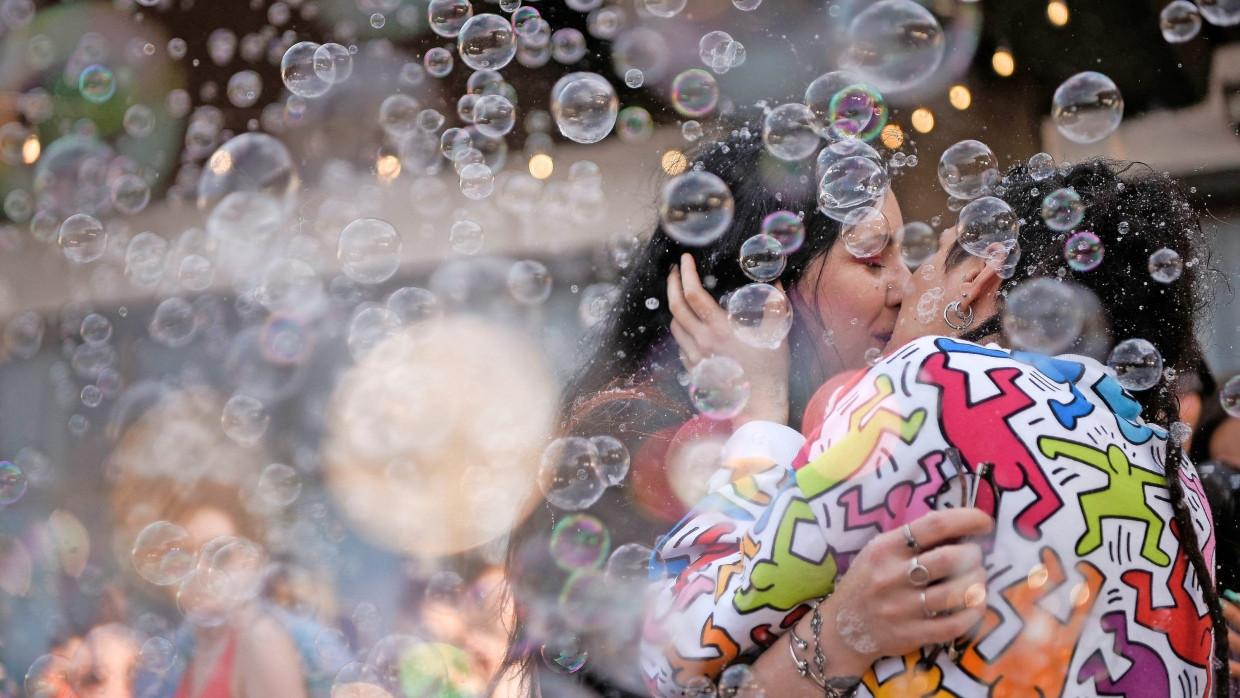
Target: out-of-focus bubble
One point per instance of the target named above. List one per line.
(746, 5)
(82, 238)
(130, 194)
(739, 681)
(1179, 21)
(580, 542)
(760, 315)
(369, 250)
(19, 205)
(438, 62)
(244, 88)
(297, 71)
(163, 553)
(894, 44)
(359, 680)
(788, 132)
(568, 474)
(1087, 107)
(529, 282)
(97, 84)
(494, 115)
(564, 652)
(1062, 209)
(849, 184)
(369, 328)
(195, 272)
(48, 677)
(486, 42)
(585, 107)
(279, 485)
(157, 655)
(477, 181)
(239, 565)
(199, 599)
(414, 306)
(1223, 13)
(24, 335)
(597, 300)
(612, 458)
(1044, 315)
(695, 93)
(446, 17)
(787, 228)
(398, 115)
(285, 340)
(333, 63)
(252, 163)
(1083, 251)
(1180, 431)
(91, 395)
(866, 232)
(139, 121)
(857, 111)
(918, 243)
(1166, 266)
(762, 257)
(1229, 397)
(568, 46)
(1041, 166)
(635, 125)
(718, 387)
(96, 329)
(968, 170)
(634, 78)
(12, 483)
(696, 208)
(664, 8)
(985, 222)
(629, 564)
(1137, 364)
(244, 419)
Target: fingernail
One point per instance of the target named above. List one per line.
(1231, 596)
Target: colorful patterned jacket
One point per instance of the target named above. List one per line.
(1090, 593)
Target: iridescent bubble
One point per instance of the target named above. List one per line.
(857, 111)
(526, 20)
(298, 73)
(486, 42)
(787, 228)
(762, 257)
(866, 232)
(788, 132)
(718, 387)
(985, 222)
(564, 652)
(612, 458)
(279, 485)
(968, 170)
(438, 62)
(1166, 266)
(694, 93)
(568, 474)
(580, 542)
(285, 340)
(244, 419)
(333, 63)
(664, 8)
(369, 250)
(494, 115)
(157, 655)
(466, 237)
(821, 92)
(370, 327)
(849, 184)
(695, 208)
(12, 483)
(1043, 315)
(635, 125)
(1087, 107)
(139, 121)
(1179, 21)
(1137, 364)
(529, 282)
(918, 243)
(82, 238)
(97, 84)
(130, 194)
(446, 17)
(585, 107)
(1062, 209)
(96, 329)
(568, 46)
(1041, 166)
(894, 44)
(634, 78)
(163, 553)
(1083, 251)
(1229, 397)
(19, 205)
(1223, 13)
(244, 88)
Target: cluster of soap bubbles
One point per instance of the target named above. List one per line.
(720, 52)
(575, 471)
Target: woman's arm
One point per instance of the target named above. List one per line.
(267, 661)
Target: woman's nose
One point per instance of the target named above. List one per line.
(897, 283)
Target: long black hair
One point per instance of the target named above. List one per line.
(1135, 212)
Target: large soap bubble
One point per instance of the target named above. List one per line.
(446, 17)
(894, 44)
(1137, 364)
(1044, 315)
(760, 315)
(822, 90)
(985, 222)
(718, 387)
(788, 132)
(849, 184)
(968, 169)
(297, 70)
(696, 208)
(487, 42)
(1087, 107)
(585, 107)
(1179, 21)
(369, 250)
(1224, 13)
(250, 162)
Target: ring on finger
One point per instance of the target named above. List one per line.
(918, 573)
(909, 540)
(926, 607)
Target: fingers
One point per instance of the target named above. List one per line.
(690, 355)
(677, 304)
(956, 594)
(1233, 667)
(1233, 641)
(948, 525)
(949, 627)
(699, 299)
(947, 561)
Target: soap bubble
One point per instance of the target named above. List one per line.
(629, 564)
(333, 63)
(694, 93)
(564, 652)
(664, 8)
(477, 181)
(918, 243)
(466, 237)
(251, 163)
(788, 132)
(717, 50)
(279, 485)
(568, 46)
(760, 315)
(568, 474)
(13, 482)
(244, 88)
(857, 111)
(96, 329)
(369, 250)
(446, 17)
(371, 326)
(1166, 265)
(157, 655)
(1043, 315)
(1179, 21)
(1137, 364)
(894, 44)
(596, 301)
(1062, 209)
(414, 306)
(97, 84)
(130, 194)
(787, 228)
(486, 42)
(739, 681)
(82, 238)
(580, 542)
(398, 115)
(695, 208)
(139, 121)
(1223, 13)
(494, 115)
(529, 282)
(866, 232)
(849, 184)
(762, 257)
(718, 387)
(163, 553)
(298, 73)
(985, 222)
(438, 62)
(24, 335)
(612, 458)
(244, 419)
(1041, 166)
(174, 322)
(1229, 396)
(285, 340)
(1083, 251)
(968, 170)
(844, 148)
(585, 107)
(1087, 107)
(48, 677)
(634, 78)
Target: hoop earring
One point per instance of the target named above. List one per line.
(966, 320)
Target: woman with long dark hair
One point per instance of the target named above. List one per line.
(1099, 578)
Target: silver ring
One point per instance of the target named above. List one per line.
(909, 540)
(925, 607)
(918, 573)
